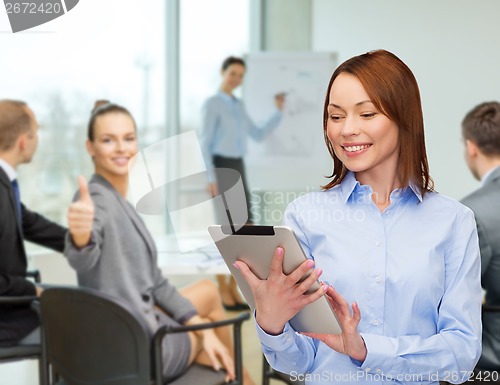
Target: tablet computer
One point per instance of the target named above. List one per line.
(255, 245)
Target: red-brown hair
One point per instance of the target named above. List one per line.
(393, 90)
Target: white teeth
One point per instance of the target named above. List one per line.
(356, 148)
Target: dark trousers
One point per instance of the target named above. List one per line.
(225, 181)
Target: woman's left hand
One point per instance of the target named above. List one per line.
(279, 101)
(218, 353)
(350, 341)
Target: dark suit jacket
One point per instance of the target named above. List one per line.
(485, 202)
(17, 321)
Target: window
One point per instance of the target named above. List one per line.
(62, 67)
(209, 32)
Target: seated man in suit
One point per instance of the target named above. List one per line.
(481, 135)
(18, 141)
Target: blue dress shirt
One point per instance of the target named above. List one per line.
(225, 127)
(414, 271)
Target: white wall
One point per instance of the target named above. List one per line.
(453, 48)
(286, 25)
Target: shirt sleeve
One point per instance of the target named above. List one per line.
(260, 132)
(207, 133)
(455, 348)
(40, 230)
(289, 351)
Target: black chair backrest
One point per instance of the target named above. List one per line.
(92, 338)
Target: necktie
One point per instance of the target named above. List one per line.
(17, 195)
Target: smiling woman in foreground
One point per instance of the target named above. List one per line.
(399, 262)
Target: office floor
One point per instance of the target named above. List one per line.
(26, 372)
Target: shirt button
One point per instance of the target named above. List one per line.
(375, 322)
(378, 243)
(378, 279)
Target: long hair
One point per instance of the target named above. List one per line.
(393, 90)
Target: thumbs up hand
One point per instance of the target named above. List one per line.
(81, 216)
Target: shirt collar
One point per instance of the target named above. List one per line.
(487, 176)
(9, 170)
(416, 191)
(226, 97)
(350, 185)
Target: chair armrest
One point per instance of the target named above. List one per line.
(490, 308)
(238, 355)
(17, 300)
(208, 325)
(35, 274)
(23, 299)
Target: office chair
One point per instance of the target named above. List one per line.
(269, 373)
(90, 338)
(490, 309)
(24, 352)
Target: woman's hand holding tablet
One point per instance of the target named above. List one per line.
(280, 297)
(276, 278)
